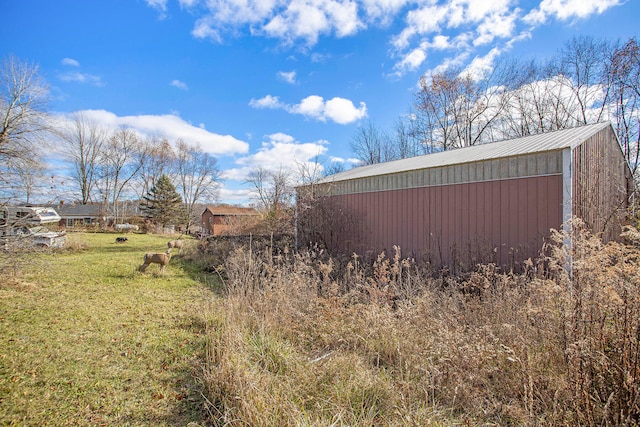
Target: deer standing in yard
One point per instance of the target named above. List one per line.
(155, 258)
(176, 244)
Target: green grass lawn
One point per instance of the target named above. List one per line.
(88, 340)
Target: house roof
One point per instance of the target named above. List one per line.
(550, 141)
(89, 210)
(230, 210)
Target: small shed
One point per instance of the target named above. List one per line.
(226, 220)
(495, 202)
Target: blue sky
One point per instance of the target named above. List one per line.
(272, 83)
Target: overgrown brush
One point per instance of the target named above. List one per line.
(301, 342)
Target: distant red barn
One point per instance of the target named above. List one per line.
(495, 202)
(225, 220)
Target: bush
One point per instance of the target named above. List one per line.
(302, 341)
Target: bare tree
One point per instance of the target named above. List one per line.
(273, 190)
(406, 142)
(84, 141)
(625, 95)
(455, 109)
(159, 161)
(198, 176)
(582, 69)
(23, 123)
(120, 164)
(443, 102)
(537, 104)
(333, 167)
(372, 145)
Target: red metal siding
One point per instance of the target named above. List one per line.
(457, 225)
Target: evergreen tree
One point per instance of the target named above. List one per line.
(162, 204)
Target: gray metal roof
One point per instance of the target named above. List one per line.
(89, 210)
(550, 141)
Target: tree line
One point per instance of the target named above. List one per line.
(105, 166)
(588, 81)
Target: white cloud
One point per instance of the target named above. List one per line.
(160, 6)
(171, 127)
(278, 151)
(289, 77)
(382, 11)
(343, 111)
(312, 106)
(187, 3)
(440, 42)
(479, 66)
(234, 195)
(495, 26)
(320, 57)
(427, 19)
(81, 78)
(568, 9)
(338, 110)
(463, 26)
(412, 60)
(70, 62)
(204, 29)
(179, 84)
(289, 21)
(266, 102)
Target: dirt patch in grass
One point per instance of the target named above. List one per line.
(90, 341)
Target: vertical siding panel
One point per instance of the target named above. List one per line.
(513, 220)
(411, 222)
(474, 216)
(452, 215)
(415, 223)
(443, 195)
(555, 216)
(466, 220)
(425, 217)
(387, 221)
(447, 222)
(544, 193)
(373, 226)
(524, 186)
(408, 220)
(484, 227)
(456, 214)
(502, 231)
(401, 220)
(437, 223)
(408, 225)
(400, 209)
(433, 223)
(532, 216)
(494, 206)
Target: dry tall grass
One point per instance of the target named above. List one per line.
(301, 342)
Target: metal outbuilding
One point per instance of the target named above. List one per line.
(495, 202)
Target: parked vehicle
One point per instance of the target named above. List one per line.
(25, 224)
(126, 227)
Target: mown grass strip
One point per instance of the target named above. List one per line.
(88, 340)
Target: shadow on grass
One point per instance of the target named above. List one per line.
(199, 273)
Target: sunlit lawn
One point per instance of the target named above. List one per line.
(88, 340)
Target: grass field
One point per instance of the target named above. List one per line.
(296, 339)
(88, 340)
